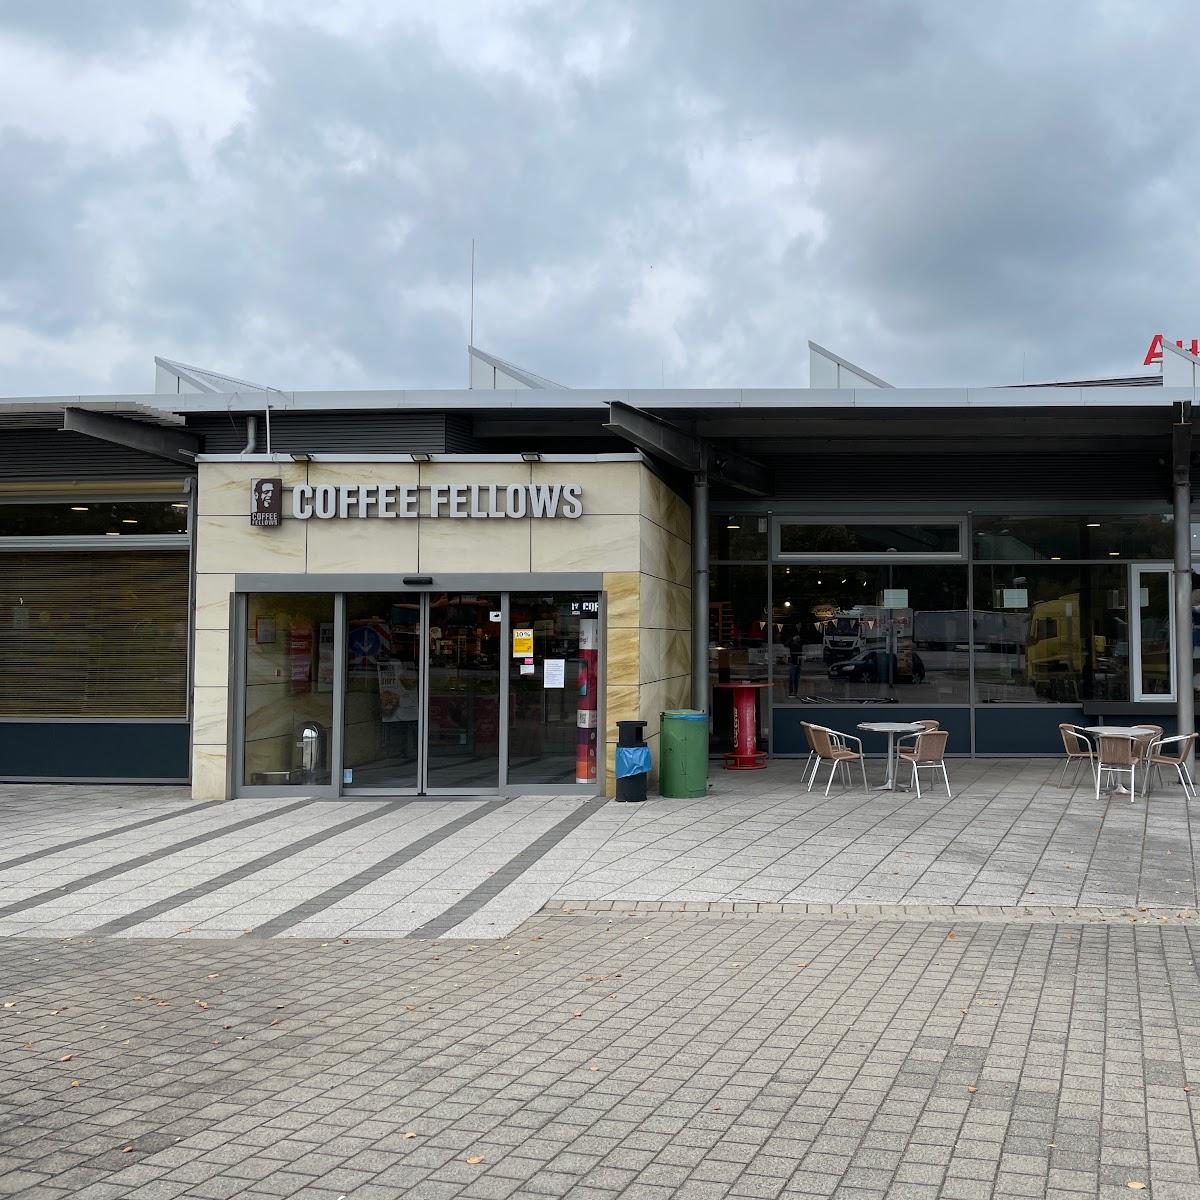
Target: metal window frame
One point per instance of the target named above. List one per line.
(1134, 609)
(779, 520)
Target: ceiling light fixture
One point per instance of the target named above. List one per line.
(79, 508)
(128, 520)
(1093, 524)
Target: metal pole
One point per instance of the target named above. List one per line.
(700, 592)
(1185, 713)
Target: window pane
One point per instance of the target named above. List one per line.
(797, 538)
(383, 687)
(1050, 635)
(1021, 539)
(94, 635)
(737, 644)
(547, 695)
(1154, 604)
(289, 688)
(93, 518)
(893, 634)
(737, 536)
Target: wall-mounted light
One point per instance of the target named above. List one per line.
(420, 456)
(530, 456)
(732, 525)
(79, 508)
(1093, 525)
(301, 456)
(128, 520)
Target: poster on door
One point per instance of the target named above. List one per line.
(397, 692)
(299, 659)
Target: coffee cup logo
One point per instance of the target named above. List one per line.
(266, 501)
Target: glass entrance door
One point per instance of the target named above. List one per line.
(381, 742)
(421, 709)
(462, 742)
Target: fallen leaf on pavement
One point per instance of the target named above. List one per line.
(126, 1149)
(951, 936)
(10, 1004)
(1135, 1184)
(275, 1020)
(475, 1159)
(74, 1082)
(201, 1003)
(408, 1133)
(66, 1058)
(972, 1090)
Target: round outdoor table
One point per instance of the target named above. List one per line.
(891, 728)
(745, 755)
(1129, 731)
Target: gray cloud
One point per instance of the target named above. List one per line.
(682, 190)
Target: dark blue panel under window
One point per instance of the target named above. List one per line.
(94, 750)
(789, 738)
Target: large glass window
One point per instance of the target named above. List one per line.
(738, 634)
(1025, 539)
(94, 518)
(289, 688)
(863, 538)
(1051, 635)
(860, 633)
(89, 634)
(738, 536)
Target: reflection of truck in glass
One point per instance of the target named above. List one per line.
(950, 629)
(850, 631)
(1058, 663)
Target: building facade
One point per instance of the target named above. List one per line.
(462, 592)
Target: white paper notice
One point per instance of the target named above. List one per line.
(554, 673)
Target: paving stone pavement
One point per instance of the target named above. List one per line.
(148, 862)
(593, 1056)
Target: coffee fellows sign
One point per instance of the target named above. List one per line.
(327, 501)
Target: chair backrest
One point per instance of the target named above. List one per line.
(1116, 750)
(1073, 740)
(931, 746)
(821, 742)
(926, 724)
(1177, 751)
(1152, 734)
(807, 728)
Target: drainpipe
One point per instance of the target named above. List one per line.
(1185, 714)
(251, 435)
(700, 697)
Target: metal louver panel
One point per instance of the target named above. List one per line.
(94, 634)
(329, 432)
(41, 455)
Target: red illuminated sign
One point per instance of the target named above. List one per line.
(1155, 353)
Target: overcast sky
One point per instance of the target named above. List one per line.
(944, 192)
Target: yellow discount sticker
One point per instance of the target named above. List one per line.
(522, 642)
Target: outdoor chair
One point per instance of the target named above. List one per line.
(1117, 755)
(811, 760)
(926, 727)
(1078, 748)
(1157, 758)
(830, 747)
(928, 753)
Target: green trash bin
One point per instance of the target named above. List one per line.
(683, 753)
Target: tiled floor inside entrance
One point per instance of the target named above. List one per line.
(149, 862)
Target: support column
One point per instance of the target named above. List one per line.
(1185, 715)
(700, 697)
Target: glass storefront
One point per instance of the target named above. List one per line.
(951, 617)
(423, 692)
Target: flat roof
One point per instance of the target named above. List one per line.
(163, 407)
